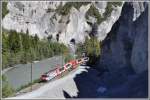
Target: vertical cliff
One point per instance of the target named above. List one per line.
(127, 43)
(123, 62)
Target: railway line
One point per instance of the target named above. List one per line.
(55, 74)
(56, 88)
(60, 70)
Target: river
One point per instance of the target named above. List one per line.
(21, 73)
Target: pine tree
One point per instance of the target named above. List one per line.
(92, 48)
(23, 48)
(14, 42)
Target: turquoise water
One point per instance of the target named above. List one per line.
(21, 74)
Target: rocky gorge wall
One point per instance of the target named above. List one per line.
(122, 70)
(127, 43)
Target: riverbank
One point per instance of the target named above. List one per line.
(20, 75)
(55, 89)
(6, 69)
(37, 83)
(9, 68)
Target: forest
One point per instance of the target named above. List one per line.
(21, 48)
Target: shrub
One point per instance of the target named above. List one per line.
(93, 11)
(92, 49)
(68, 57)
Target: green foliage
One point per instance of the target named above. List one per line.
(93, 11)
(14, 41)
(109, 8)
(68, 57)
(92, 46)
(77, 5)
(7, 90)
(64, 10)
(22, 48)
(92, 49)
(4, 9)
(80, 50)
(116, 3)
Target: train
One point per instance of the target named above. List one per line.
(59, 70)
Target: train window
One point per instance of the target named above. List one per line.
(86, 58)
(68, 65)
(79, 60)
(44, 75)
(61, 69)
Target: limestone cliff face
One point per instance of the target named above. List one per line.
(127, 43)
(43, 19)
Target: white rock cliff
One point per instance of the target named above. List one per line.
(35, 17)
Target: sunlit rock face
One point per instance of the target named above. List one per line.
(138, 9)
(127, 43)
(33, 16)
(77, 26)
(41, 18)
(105, 27)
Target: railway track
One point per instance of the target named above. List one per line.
(39, 84)
(55, 74)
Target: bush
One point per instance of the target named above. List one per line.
(92, 49)
(80, 50)
(93, 11)
(68, 57)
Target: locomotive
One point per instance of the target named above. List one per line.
(59, 70)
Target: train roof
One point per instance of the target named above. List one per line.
(51, 70)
